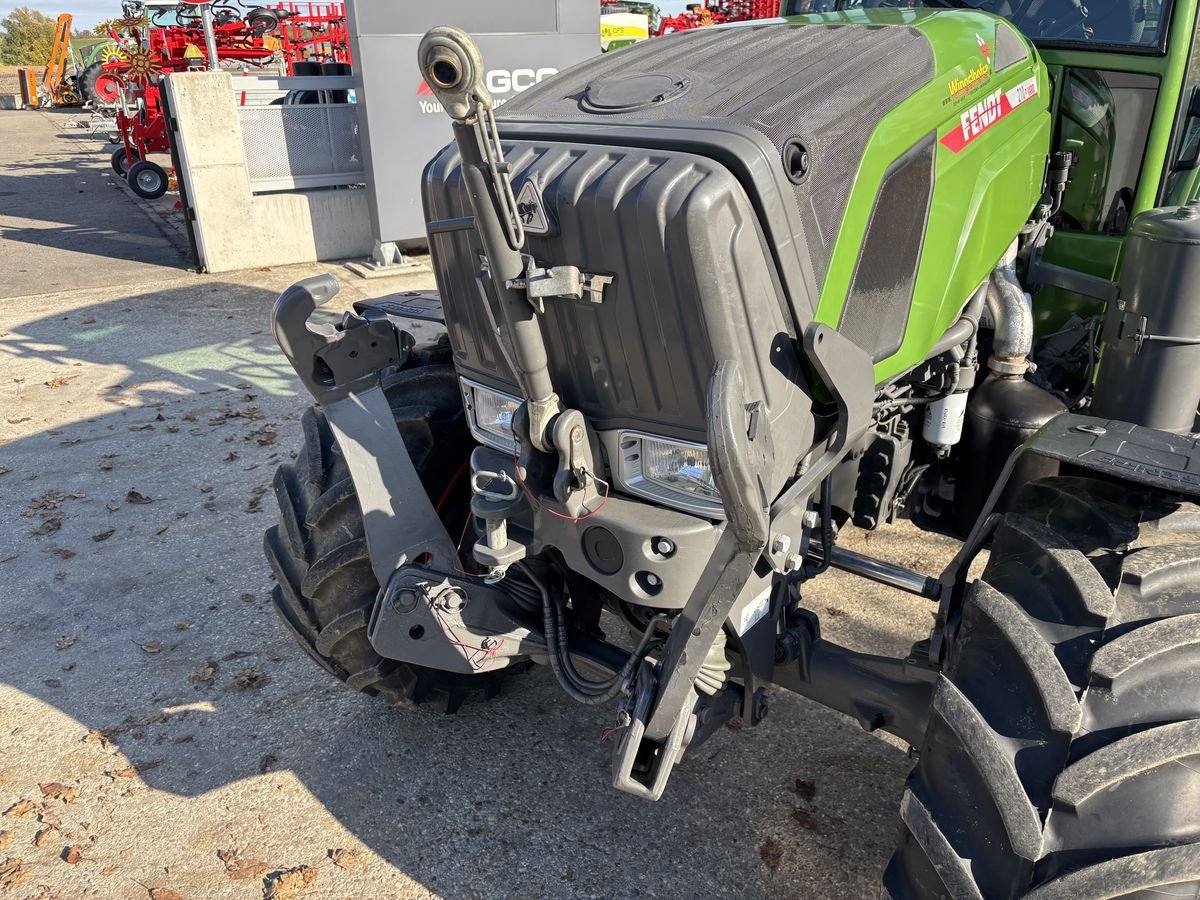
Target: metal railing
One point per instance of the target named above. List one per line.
(299, 132)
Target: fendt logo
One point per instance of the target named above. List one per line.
(497, 81)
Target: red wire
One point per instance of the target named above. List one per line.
(540, 505)
(458, 476)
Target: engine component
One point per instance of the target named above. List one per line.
(1150, 369)
(1012, 315)
(1002, 414)
(944, 418)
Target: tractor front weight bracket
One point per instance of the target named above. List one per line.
(424, 614)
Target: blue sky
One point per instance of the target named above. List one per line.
(88, 12)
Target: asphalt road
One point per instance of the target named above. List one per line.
(64, 221)
(143, 670)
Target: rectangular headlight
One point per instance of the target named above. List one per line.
(677, 474)
(490, 414)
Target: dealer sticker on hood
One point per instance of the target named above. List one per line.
(977, 119)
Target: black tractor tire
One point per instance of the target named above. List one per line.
(1062, 758)
(120, 162)
(148, 180)
(86, 83)
(318, 552)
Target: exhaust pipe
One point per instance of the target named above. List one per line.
(1012, 312)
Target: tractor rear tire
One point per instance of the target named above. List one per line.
(326, 588)
(86, 83)
(148, 180)
(1062, 758)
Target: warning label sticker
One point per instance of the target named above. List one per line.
(978, 118)
(531, 209)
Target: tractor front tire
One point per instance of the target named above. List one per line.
(318, 552)
(148, 180)
(1062, 758)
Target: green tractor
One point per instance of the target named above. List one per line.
(711, 300)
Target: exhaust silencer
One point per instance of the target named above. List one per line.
(1150, 369)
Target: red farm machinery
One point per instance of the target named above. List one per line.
(717, 12)
(151, 40)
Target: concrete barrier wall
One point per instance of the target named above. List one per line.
(234, 228)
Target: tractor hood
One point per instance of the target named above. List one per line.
(735, 184)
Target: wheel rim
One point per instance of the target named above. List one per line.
(108, 89)
(148, 180)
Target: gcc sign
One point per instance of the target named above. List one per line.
(498, 81)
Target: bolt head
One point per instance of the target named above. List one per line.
(404, 601)
(664, 547)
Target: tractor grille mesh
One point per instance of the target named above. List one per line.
(828, 85)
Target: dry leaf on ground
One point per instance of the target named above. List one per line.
(137, 497)
(346, 857)
(104, 535)
(206, 674)
(152, 646)
(247, 678)
(246, 869)
(127, 772)
(51, 522)
(20, 808)
(5, 839)
(39, 839)
(12, 875)
(161, 893)
(56, 790)
(73, 854)
(95, 736)
(289, 883)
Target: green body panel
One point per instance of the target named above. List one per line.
(982, 194)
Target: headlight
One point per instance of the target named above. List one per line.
(490, 414)
(674, 473)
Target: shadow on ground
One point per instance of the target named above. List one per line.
(159, 635)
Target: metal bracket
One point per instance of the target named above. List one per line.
(740, 443)
(849, 374)
(424, 306)
(449, 623)
(340, 366)
(1130, 331)
(642, 767)
(574, 482)
(558, 281)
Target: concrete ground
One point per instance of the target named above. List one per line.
(160, 730)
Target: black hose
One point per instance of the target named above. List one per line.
(827, 535)
(578, 687)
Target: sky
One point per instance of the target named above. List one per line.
(88, 12)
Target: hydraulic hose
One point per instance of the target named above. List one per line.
(577, 686)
